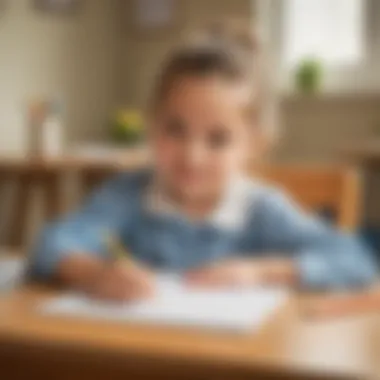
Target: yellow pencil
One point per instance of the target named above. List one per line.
(116, 249)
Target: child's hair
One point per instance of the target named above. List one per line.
(229, 51)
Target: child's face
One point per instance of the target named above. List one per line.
(200, 135)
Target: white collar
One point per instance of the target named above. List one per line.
(230, 214)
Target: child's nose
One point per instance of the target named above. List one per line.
(195, 154)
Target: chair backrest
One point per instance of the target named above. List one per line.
(19, 185)
(337, 189)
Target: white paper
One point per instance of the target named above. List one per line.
(176, 304)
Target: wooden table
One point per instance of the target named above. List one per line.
(287, 347)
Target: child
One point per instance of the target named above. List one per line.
(195, 211)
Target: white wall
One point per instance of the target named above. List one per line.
(319, 128)
(142, 53)
(73, 57)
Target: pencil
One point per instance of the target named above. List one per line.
(116, 249)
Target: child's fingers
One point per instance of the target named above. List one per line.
(208, 277)
(124, 283)
(141, 285)
(121, 291)
(109, 291)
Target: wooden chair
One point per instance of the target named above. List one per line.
(23, 178)
(337, 189)
(18, 187)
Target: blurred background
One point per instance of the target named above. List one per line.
(75, 76)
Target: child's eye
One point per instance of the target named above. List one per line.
(219, 139)
(175, 128)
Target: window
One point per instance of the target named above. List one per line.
(329, 30)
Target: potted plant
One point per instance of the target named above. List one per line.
(308, 76)
(127, 127)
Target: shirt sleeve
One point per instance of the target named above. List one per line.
(325, 257)
(82, 231)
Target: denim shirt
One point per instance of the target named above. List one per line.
(263, 222)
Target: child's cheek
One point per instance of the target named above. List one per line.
(229, 162)
(165, 153)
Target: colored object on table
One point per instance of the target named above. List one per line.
(127, 127)
(45, 127)
(36, 114)
(342, 305)
(52, 130)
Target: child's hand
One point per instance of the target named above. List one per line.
(244, 272)
(123, 281)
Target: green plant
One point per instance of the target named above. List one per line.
(308, 75)
(127, 127)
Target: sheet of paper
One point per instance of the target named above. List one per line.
(176, 304)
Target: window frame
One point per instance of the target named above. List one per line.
(337, 79)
